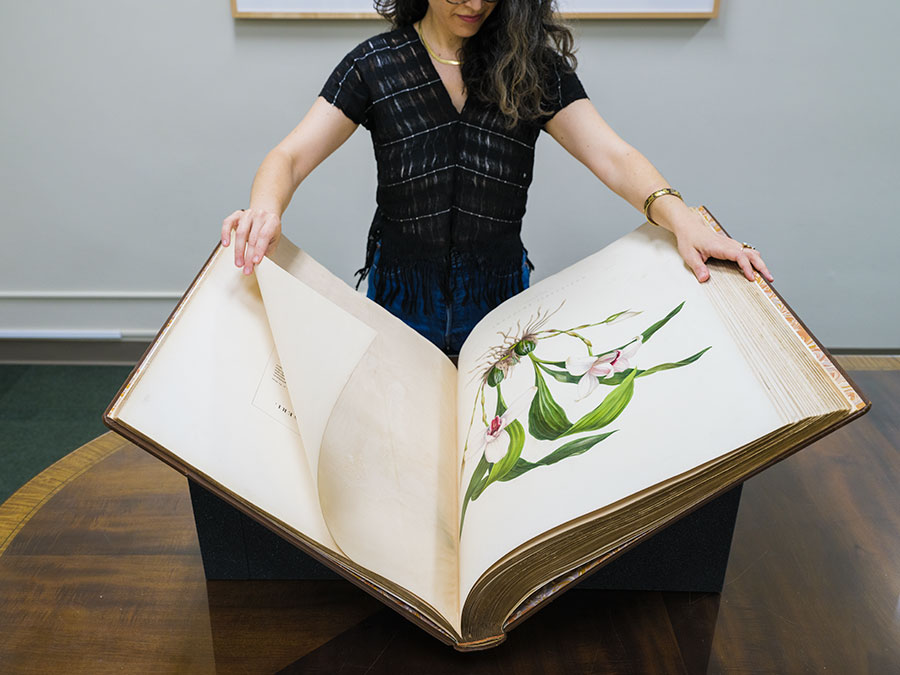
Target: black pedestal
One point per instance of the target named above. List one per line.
(690, 555)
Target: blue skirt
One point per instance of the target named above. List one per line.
(449, 322)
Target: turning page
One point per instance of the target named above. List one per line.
(312, 405)
(385, 461)
(319, 345)
(605, 379)
(212, 393)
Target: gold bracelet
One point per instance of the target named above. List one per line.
(656, 195)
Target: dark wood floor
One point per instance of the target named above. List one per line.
(100, 572)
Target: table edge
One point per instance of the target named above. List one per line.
(25, 502)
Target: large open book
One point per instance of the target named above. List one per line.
(585, 414)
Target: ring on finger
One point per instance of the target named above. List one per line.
(744, 244)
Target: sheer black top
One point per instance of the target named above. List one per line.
(450, 184)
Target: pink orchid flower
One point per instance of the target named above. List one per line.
(591, 368)
(495, 443)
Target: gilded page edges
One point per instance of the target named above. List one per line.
(140, 368)
(854, 400)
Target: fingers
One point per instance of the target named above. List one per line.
(267, 237)
(757, 261)
(696, 250)
(744, 263)
(696, 262)
(750, 260)
(255, 231)
(241, 233)
(228, 225)
(261, 234)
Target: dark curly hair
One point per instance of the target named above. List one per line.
(508, 62)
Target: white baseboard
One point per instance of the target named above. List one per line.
(76, 352)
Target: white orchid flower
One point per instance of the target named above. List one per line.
(495, 442)
(591, 368)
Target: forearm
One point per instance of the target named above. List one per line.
(631, 176)
(579, 129)
(274, 184)
(321, 132)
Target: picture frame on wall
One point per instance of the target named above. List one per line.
(573, 9)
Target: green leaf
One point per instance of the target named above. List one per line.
(556, 364)
(572, 448)
(560, 375)
(514, 450)
(521, 466)
(569, 449)
(659, 324)
(563, 375)
(676, 364)
(609, 409)
(483, 481)
(547, 420)
(501, 404)
(485, 473)
(619, 377)
(647, 334)
(476, 487)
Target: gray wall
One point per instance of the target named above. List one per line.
(129, 129)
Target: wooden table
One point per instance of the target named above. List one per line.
(100, 571)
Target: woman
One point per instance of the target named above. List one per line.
(455, 98)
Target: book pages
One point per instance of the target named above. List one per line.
(853, 397)
(210, 394)
(319, 346)
(798, 393)
(698, 400)
(586, 413)
(386, 467)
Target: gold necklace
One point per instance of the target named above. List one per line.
(449, 62)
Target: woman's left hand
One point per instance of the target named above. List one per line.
(697, 242)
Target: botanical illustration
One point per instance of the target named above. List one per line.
(536, 413)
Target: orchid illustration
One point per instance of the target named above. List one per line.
(607, 365)
(498, 448)
(496, 437)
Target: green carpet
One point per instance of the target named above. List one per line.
(46, 412)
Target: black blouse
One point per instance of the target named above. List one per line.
(451, 185)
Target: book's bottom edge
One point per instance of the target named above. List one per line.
(480, 644)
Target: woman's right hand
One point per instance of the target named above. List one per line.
(256, 231)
